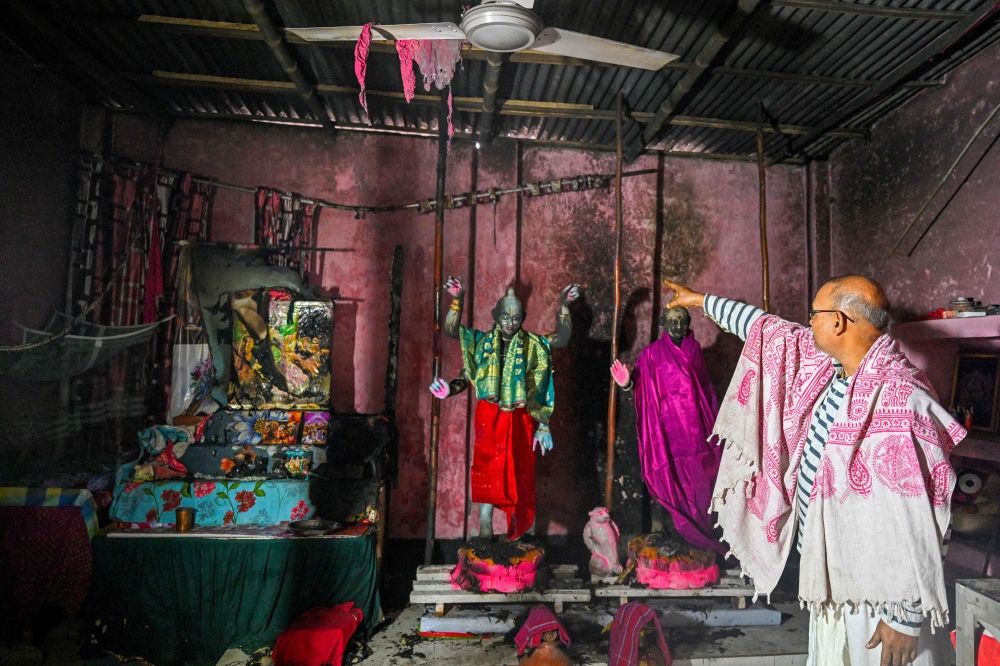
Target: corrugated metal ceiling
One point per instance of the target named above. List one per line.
(778, 39)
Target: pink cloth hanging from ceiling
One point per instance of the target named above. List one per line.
(437, 59)
(361, 63)
(407, 50)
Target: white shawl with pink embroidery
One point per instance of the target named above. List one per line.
(882, 495)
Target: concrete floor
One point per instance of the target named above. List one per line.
(784, 645)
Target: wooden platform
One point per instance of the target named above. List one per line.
(433, 586)
(731, 585)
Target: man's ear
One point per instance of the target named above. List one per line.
(841, 323)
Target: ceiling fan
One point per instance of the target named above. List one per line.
(505, 26)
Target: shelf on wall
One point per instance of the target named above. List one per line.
(945, 329)
(979, 445)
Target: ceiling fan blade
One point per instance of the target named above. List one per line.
(350, 33)
(527, 4)
(587, 47)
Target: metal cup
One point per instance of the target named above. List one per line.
(185, 519)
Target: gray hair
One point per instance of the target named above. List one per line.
(870, 305)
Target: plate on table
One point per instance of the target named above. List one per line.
(312, 527)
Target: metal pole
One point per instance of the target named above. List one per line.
(609, 480)
(494, 61)
(470, 310)
(438, 281)
(944, 180)
(762, 177)
(954, 194)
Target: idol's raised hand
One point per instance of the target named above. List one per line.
(684, 297)
(455, 287)
(621, 374)
(440, 389)
(569, 294)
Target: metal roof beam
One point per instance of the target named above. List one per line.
(874, 10)
(432, 134)
(811, 80)
(909, 68)
(250, 31)
(681, 93)
(475, 104)
(276, 41)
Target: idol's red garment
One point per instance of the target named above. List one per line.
(503, 464)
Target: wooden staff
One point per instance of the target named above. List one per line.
(609, 481)
(438, 281)
(765, 277)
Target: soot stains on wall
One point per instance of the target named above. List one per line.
(695, 218)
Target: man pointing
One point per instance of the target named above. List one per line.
(835, 445)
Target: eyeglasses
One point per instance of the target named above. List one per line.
(813, 313)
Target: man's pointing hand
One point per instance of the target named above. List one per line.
(684, 296)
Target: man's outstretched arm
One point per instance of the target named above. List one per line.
(732, 316)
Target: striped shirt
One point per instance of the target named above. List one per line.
(735, 317)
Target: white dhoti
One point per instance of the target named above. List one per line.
(838, 638)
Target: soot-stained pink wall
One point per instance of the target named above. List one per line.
(38, 143)
(878, 188)
(702, 213)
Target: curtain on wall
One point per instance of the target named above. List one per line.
(137, 215)
(286, 221)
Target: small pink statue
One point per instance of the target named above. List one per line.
(601, 536)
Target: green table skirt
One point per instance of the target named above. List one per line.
(187, 600)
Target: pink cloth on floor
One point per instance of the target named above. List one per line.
(677, 579)
(628, 623)
(540, 621)
(675, 408)
(361, 62)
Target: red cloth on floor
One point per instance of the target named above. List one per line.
(503, 464)
(541, 620)
(628, 623)
(987, 649)
(318, 636)
(46, 561)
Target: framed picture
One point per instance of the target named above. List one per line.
(975, 390)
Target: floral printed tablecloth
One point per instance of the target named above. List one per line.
(216, 501)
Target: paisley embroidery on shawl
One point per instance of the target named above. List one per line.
(858, 477)
(825, 477)
(772, 529)
(896, 466)
(772, 466)
(743, 395)
(940, 483)
(759, 491)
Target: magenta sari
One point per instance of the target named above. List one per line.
(675, 408)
